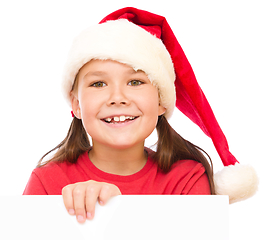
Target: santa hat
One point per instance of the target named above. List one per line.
(145, 41)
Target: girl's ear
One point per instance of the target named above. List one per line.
(161, 110)
(75, 105)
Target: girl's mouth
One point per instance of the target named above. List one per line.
(119, 119)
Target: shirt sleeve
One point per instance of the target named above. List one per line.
(34, 186)
(197, 182)
(201, 186)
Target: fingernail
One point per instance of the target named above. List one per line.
(71, 211)
(80, 218)
(89, 215)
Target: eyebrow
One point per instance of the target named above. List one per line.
(102, 73)
(95, 73)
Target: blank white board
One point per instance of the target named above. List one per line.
(123, 217)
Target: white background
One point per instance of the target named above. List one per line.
(223, 40)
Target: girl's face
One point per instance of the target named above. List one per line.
(119, 107)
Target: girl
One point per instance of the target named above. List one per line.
(122, 78)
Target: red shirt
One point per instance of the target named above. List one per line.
(185, 177)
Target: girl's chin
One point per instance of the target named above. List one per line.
(119, 144)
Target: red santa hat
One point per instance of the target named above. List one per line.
(145, 41)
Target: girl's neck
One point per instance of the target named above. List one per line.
(118, 161)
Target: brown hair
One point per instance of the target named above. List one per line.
(171, 147)
(75, 143)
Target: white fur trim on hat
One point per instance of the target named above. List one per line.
(125, 42)
(237, 181)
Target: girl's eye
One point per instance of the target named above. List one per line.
(135, 83)
(98, 84)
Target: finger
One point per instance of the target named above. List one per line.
(108, 191)
(68, 199)
(105, 194)
(92, 193)
(79, 203)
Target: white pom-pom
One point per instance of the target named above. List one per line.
(237, 181)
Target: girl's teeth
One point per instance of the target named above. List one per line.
(119, 119)
(122, 118)
(116, 119)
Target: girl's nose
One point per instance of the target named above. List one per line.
(118, 96)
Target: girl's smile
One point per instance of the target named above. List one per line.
(119, 106)
(118, 121)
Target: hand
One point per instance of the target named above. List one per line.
(80, 198)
